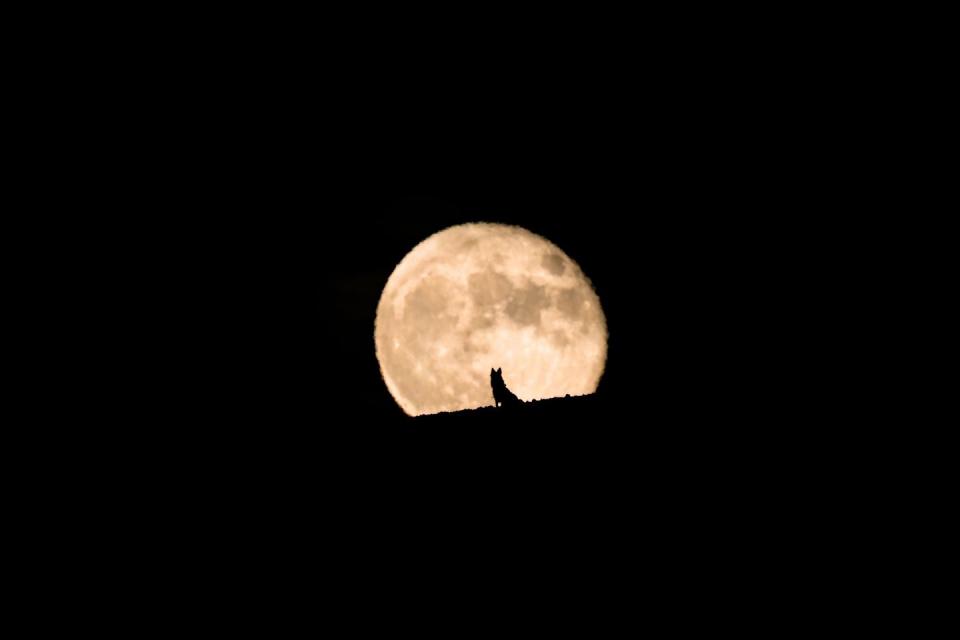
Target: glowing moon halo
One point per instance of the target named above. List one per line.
(479, 296)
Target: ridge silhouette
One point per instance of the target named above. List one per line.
(502, 396)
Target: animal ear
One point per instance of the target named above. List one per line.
(500, 370)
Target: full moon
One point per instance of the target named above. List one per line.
(476, 297)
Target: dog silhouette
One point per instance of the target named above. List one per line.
(502, 396)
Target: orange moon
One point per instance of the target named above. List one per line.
(480, 296)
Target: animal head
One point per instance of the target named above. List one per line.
(496, 373)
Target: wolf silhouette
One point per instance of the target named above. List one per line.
(502, 396)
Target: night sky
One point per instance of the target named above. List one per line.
(688, 267)
(694, 246)
(669, 282)
(272, 213)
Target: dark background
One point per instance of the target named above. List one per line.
(709, 417)
(271, 201)
(694, 249)
(702, 227)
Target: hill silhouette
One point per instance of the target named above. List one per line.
(533, 416)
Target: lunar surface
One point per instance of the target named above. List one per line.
(479, 296)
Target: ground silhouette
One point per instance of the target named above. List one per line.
(515, 419)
